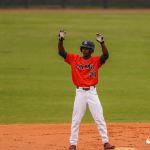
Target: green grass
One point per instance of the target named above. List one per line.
(35, 83)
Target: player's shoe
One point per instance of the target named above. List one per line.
(108, 146)
(72, 147)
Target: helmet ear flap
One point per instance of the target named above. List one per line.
(92, 50)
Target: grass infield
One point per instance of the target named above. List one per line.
(35, 83)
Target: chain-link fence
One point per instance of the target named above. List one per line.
(77, 3)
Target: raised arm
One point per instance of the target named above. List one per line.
(61, 50)
(105, 54)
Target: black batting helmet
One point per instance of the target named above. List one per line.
(87, 44)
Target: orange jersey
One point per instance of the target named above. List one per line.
(84, 71)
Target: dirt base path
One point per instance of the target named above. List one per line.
(75, 10)
(55, 136)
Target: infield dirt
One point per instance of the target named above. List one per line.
(71, 10)
(56, 136)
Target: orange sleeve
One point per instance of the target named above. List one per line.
(70, 58)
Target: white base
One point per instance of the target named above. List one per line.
(125, 148)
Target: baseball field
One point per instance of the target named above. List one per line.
(36, 90)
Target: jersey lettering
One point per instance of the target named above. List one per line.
(84, 71)
(82, 66)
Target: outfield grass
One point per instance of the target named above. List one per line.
(35, 83)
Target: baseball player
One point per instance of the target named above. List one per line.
(85, 77)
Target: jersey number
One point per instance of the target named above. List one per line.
(92, 74)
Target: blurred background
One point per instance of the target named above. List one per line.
(76, 3)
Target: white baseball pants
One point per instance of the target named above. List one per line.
(82, 99)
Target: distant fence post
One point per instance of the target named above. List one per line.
(105, 3)
(63, 3)
(28, 3)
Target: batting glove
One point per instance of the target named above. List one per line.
(61, 35)
(99, 37)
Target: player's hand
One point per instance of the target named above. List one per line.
(61, 35)
(99, 37)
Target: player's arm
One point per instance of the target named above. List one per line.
(105, 54)
(61, 49)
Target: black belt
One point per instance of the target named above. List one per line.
(85, 88)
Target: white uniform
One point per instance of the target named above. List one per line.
(82, 99)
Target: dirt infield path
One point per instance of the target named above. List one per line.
(55, 136)
(75, 10)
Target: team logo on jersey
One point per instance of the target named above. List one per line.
(87, 67)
